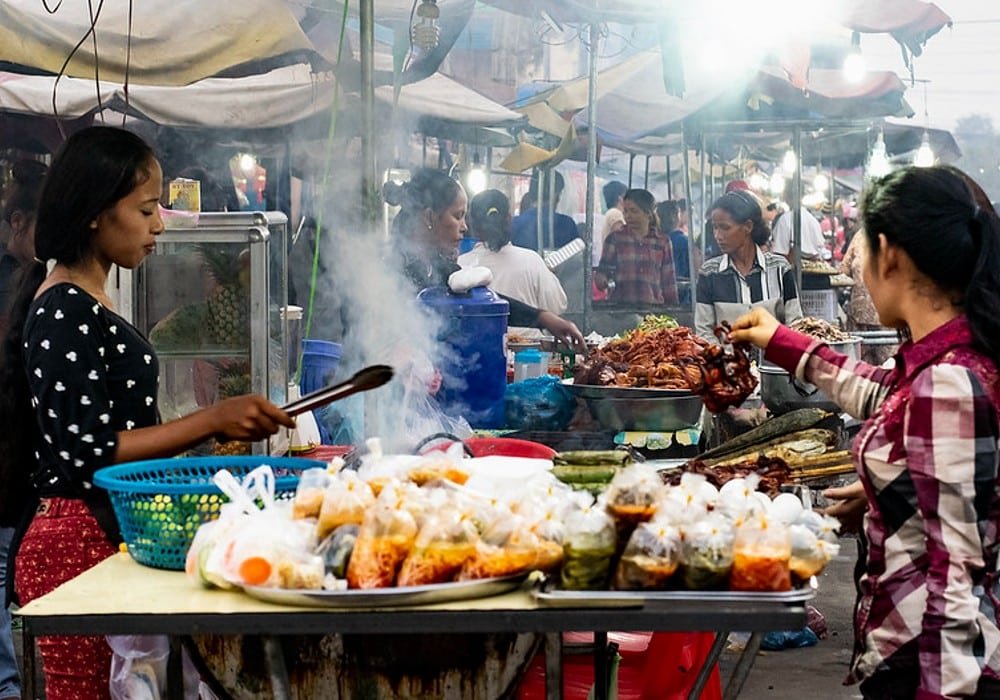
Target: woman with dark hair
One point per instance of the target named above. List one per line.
(518, 273)
(80, 382)
(744, 276)
(927, 621)
(638, 258)
(20, 206)
(427, 229)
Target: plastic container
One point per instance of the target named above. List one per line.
(528, 364)
(474, 370)
(293, 314)
(161, 503)
(319, 364)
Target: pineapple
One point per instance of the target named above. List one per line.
(229, 301)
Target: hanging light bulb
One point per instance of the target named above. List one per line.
(924, 157)
(821, 183)
(878, 161)
(477, 179)
(425, 32)
(248, 164)
(789, 162)
(758, 182)
(777, 183)
(855, 66)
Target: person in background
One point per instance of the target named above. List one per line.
(613, 218)
(927, 621)
(813, 242)
(669, 218)
(426, 232)
(80, 382)
(20, 211)
(517, 272)
(743, 276)
(524, 227)
(638, 258)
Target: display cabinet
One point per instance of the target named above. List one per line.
(209, 300)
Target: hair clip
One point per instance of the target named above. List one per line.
(492, 211)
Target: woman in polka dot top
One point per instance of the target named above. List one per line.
(81, 382)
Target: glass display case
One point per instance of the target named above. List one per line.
(209, 300)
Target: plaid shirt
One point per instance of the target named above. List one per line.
(642, 268)
(927, 457)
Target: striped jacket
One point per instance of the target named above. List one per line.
(927, 457)
(723, 295)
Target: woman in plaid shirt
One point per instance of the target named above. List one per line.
(926, 622)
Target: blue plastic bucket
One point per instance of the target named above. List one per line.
(319, 364)
(475, 368)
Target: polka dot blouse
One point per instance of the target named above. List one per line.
(92, 375)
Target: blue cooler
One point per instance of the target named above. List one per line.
(475, 369)
(319, 364)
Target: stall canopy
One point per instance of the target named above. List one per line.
(171, 43)
(279, 97)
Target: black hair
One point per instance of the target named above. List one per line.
(426, 189)
(669, 215)
(743, 206)
(553, 178)
(645, 200)
(612, 192)
(489, 216)
(95, 168)
(941, 219)
(24, 189)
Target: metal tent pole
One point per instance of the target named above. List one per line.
(797, 207)
(588, 238)
(369, 180)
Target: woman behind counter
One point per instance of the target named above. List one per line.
(427, 230)
(80, 382)
(744, 276)
(926, 622)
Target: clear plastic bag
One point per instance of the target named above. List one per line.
(588, 548)
(384, 541)
(309, 493)
(708, 553)
(761, 556)
(634, 492)
(345, 501)
(650, 559)
(446, 541)
(139, 669)
(809, 553)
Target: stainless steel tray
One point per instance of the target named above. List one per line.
(388, 597)
(596, 391)
(555, 597)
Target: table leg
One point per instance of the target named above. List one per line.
(706, 668)
(743, 666)
(175, 670)
(275, 660)
(601, 665)
(29, 690)
(553, 666)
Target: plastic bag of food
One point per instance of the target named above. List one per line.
(445, 542)
(736, 500)
(687, 502)
(345, 501)
(825, 527)
(634, 492)
(651, 557)
(440, 465)
(506, 547)
(761, 556)
(309, 493)
(336, 550)
(588, 548)
(809, 553)
(385, 539)
(707, 554)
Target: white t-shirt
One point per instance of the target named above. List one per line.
(813, 243)
(520, 274)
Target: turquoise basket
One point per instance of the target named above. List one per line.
(161, 503)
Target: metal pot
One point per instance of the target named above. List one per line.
(782, 392)
(851, 348)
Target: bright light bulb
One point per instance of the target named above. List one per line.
(924, 157)
(247, 163)
(425, 32)
(789, 162)
(758, 183)
(855, 67)
(476, 180)
(821, 183)
(878, 161)
(777, 183)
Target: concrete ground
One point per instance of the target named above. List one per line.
(816, 671)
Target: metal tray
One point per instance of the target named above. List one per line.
(555, 597)
(388, 597)
(596, 391)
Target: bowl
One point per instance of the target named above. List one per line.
(661, 414)
(782, 393)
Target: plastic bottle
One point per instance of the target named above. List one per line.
(528, 363)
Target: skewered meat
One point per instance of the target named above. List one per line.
(724, 378)
(773, 473)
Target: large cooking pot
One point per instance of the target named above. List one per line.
(782, 392)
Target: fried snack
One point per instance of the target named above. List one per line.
(653, 359)
(309, 493)
(375, 561)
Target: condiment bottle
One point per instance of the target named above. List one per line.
(528, 363)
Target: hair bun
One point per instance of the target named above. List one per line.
(394, 193)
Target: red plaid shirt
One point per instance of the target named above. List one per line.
(642, 267)
(927, 457)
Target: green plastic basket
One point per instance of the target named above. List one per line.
(161, 503)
